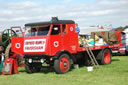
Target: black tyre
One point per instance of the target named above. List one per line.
(63, 64)
(31, 67)
(28, 67)
(106, 56)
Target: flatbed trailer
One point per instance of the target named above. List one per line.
(57, 44)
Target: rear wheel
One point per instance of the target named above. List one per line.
(63, 64)
(105, 56)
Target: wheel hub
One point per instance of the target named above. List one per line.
(65, 64)
(107, 57)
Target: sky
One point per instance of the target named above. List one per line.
(84, 12)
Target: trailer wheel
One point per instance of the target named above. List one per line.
(106, 56)
(30, 68)
(63, 64)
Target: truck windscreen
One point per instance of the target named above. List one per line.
(37, 31)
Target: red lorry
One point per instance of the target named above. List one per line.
(56, 43)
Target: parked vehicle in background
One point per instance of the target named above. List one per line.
(120, 50)
(126, 40)
(5, 44)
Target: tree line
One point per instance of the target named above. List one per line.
(122, 28)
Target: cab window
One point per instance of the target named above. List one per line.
(43, 30)
(37, 31)
(64, 29)
(55, 30)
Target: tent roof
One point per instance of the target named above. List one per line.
(88, 30)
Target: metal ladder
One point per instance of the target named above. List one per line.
(91, 55)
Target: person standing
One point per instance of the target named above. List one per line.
(77, 29)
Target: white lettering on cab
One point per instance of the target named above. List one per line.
(34, 45)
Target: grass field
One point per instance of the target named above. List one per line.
(115, 73)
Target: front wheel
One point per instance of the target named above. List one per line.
(62, 64)
(31, 67)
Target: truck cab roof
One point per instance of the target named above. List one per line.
(54, 20)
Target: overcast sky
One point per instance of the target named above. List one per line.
(84, 12)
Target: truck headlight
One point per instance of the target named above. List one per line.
(30, 60)
(41, 60)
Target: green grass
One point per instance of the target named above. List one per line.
(115, 73)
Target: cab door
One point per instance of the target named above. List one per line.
(70, 38)
(55, 39)
(17, 40)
